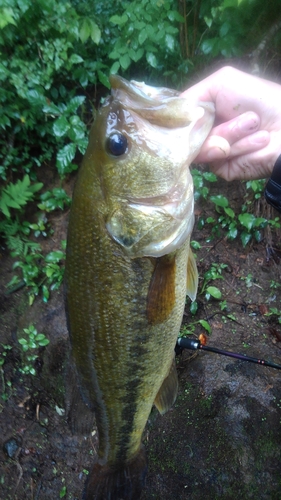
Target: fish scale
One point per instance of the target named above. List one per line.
(128, 269)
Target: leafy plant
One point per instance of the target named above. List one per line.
(149, 30)
(201, 182)
(54, 199)
(41, 274)
(191, 328)
(18, 194)
(245, 224)
(30, 341)
(63, 492)
(4, 349)
(214, 273)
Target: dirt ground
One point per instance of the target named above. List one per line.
(222, 438)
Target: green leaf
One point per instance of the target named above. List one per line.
(232, 233)
(35, 98)
(55, 256)
(205, 325)
(75, 59)
(63, 492)
(42, 341)
(174, 15)
(219, 200)
(207, 46)
(89, 29)
(46, 293)
(40, 336)
(74, 103)
(95, 33)
(64, 158)
(51, 109)
(142, 36)
(245, 238)
(103, 78)
(258, 236)
(77, 130)
(208, 21)
(195, 244)
(151, 59)
(214, 292)
(210, 176)
(114, 54)
(224, 29)
(85, 30)
(60, 126)
(247, 220)
(170, 42)
(136, 55)
(115, 68)
(229, 212)
(125, 61)
(260, 222)
(193, 307)
(119, 20)
(22, 341)
(6, 17)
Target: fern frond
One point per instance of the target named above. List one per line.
(18, 194)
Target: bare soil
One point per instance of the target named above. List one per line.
(222, 438)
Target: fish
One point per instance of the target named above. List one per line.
(129, 267)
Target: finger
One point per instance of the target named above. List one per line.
(249, 144)
(239, 127)
(214, 148)
(254, 165)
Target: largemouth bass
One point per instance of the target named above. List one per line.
(129, 267)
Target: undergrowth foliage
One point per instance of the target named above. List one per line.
(55, 60)
(245, 223)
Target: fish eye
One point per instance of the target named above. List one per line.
(117, 144)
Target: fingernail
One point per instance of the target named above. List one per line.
(248, 123)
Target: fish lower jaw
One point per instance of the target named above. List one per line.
(172, 242)
(151, 231)
(162, 243)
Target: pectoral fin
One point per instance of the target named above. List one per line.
(167, 393)
(161, 294)
(192, 277)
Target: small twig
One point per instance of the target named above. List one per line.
(37, 412)
(19, 467)
(223, 314)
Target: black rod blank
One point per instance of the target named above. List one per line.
(193, 344)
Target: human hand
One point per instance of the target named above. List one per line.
(246, 139)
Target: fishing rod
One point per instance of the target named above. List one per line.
(194, 345)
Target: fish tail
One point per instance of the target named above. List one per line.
(118, 483)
